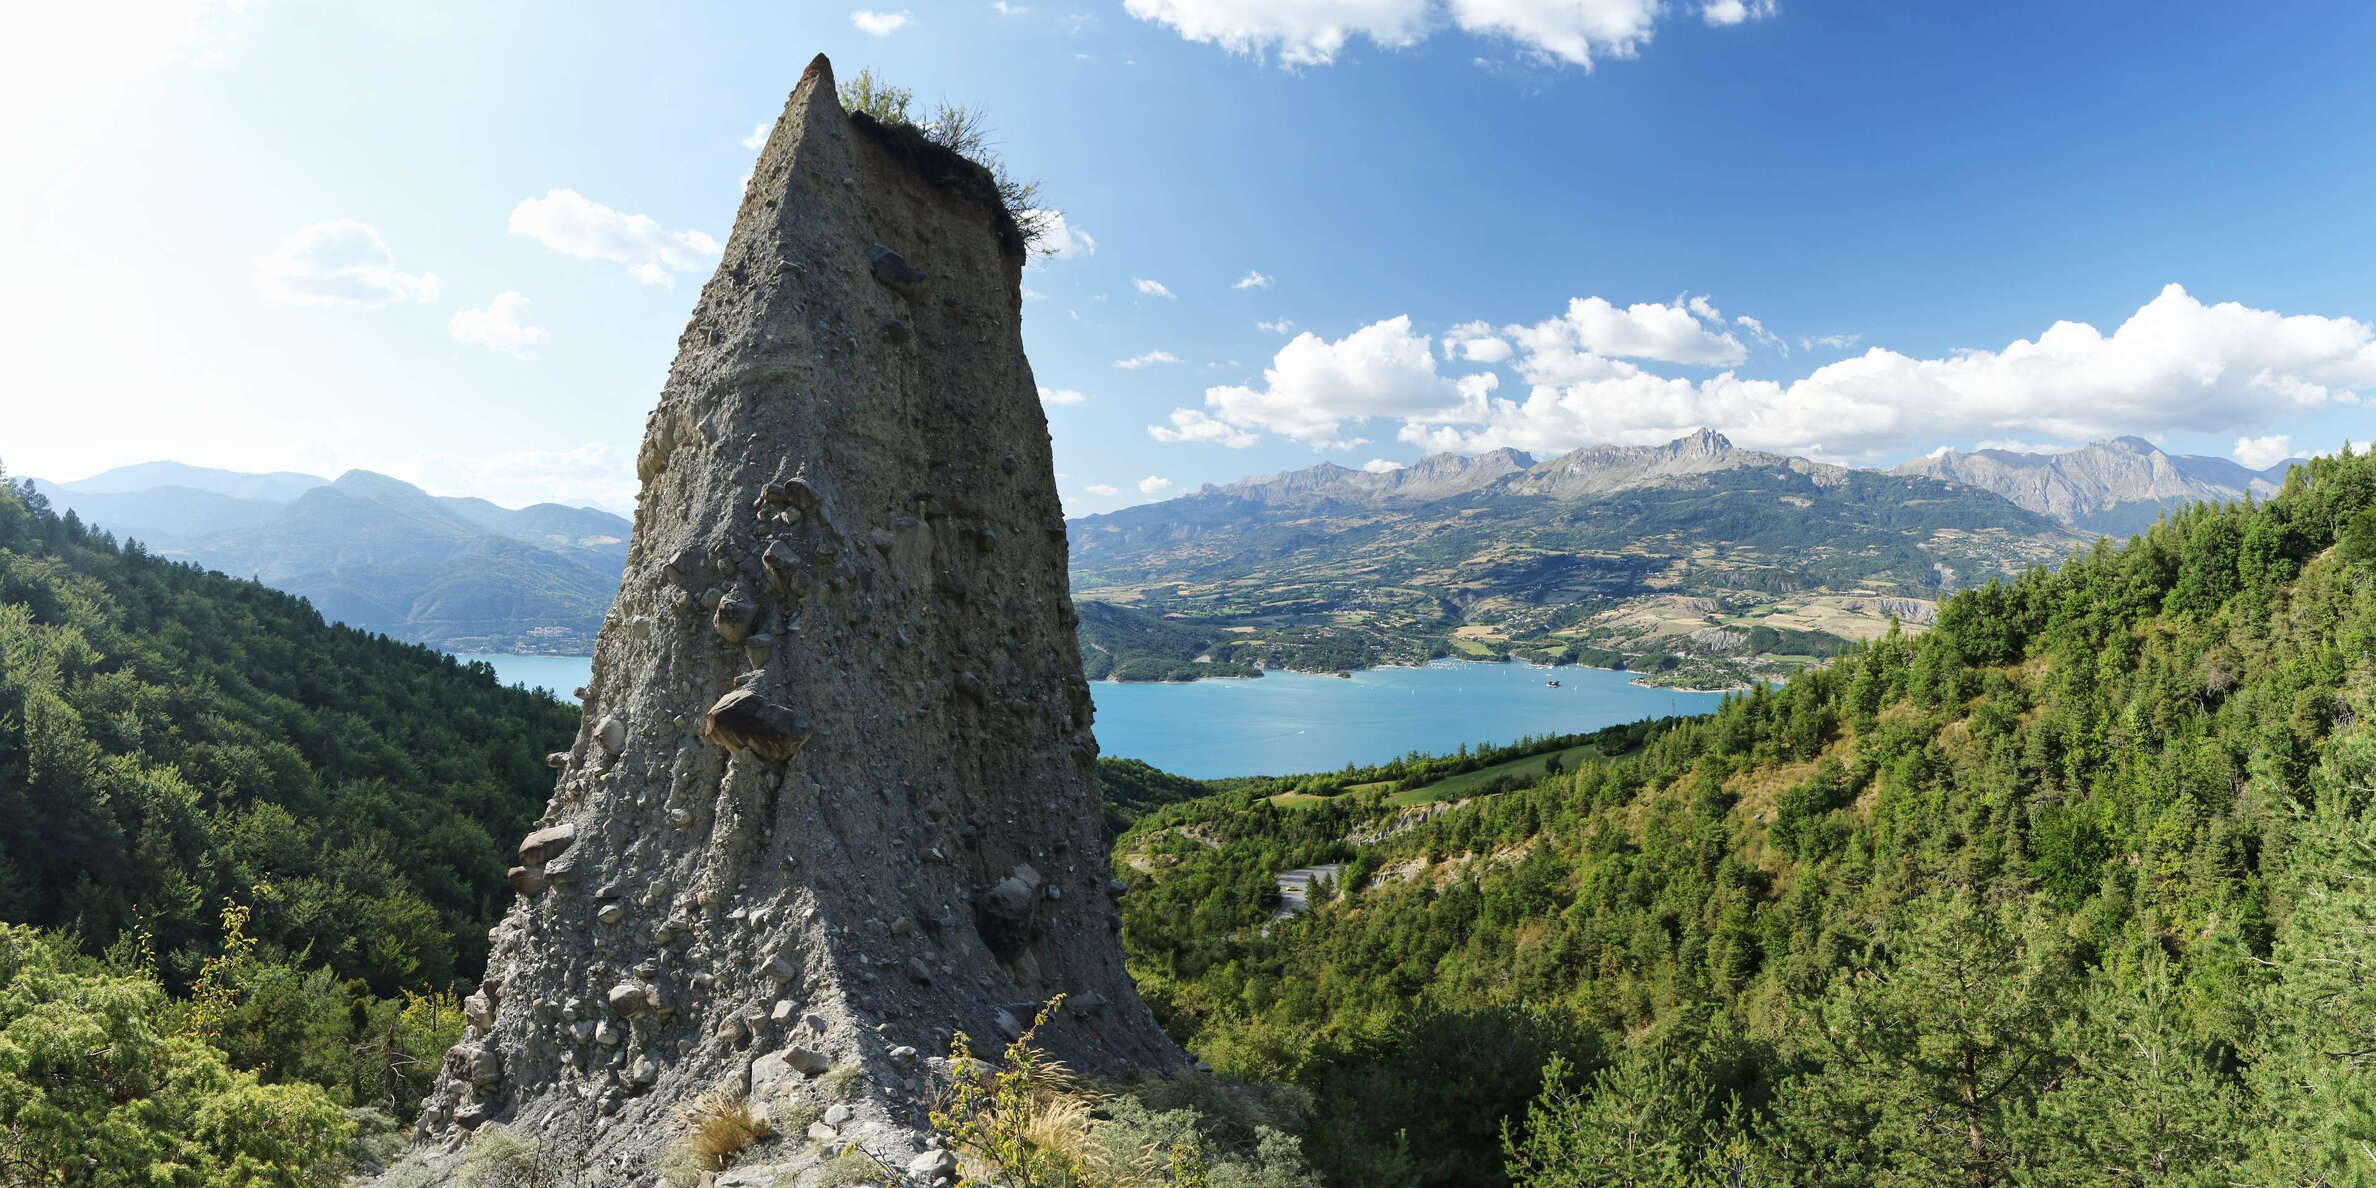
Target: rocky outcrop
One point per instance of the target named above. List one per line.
(835, 796)
(1603, 469)
(1587, 473)
(1437, 476)
(1404, 822)
(2115, 486)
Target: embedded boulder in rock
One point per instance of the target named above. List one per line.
(744, 721)
(835, 796)
(1005, 913)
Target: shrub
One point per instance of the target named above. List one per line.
(1027, 1122)
(500, 1157)
(95, 1091)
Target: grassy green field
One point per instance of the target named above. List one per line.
(1455, 787)
(1297, 800)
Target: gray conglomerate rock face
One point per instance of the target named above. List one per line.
(835, 795)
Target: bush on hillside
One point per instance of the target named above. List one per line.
(99, 1087)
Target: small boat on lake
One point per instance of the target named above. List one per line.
(1551, 684)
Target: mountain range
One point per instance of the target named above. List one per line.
(375, 552)
(2117, 487)
(1697, 561)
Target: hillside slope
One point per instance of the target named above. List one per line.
(1695, 562)
(172, 740)
(375, 552)
(2075, 888)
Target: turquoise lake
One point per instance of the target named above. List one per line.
(1287, 722)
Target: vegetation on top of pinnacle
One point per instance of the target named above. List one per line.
(951, 147)
(1666, 560)
(2077, 888)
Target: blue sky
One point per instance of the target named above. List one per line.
(281, 235)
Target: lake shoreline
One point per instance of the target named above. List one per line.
(1638, 679)
(1290, 722)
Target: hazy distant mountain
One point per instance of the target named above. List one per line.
(1696, 559)
(1435, 477)
(277, 487)
(2119, 486)
(376, 552)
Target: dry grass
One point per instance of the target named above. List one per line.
(1058, 1124)
(719, 1126)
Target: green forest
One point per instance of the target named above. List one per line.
(251, 856)
(2077, 888)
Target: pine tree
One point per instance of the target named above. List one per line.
(2316, 1068)
(2145, 1101)
(1929, 1055)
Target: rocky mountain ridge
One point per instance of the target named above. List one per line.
(1696, 561)
(2117, 487)
(1581, 473)
(2119, 484)
(375, 552)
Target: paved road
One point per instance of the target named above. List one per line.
(1295, 887)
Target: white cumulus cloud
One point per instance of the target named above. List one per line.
(340, 262)
(1312, 32)
(1595, 329)
(1053, 236)
(880, 24)
(1314, 386)
(1253, 280)
(1154, 485)
(2261, 453)
(1733, 12)
(1102, 489)
(1572, 31)
(1195, 424)
(1276, 326)
(1475, 342)
(1151, 288)
(758, 134)
(1300, 32)
(1758, 332)
(1060, 396)
(502, 326)
(2175, 364)
(1149, 359)
(572, 224)
(1381, 466)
